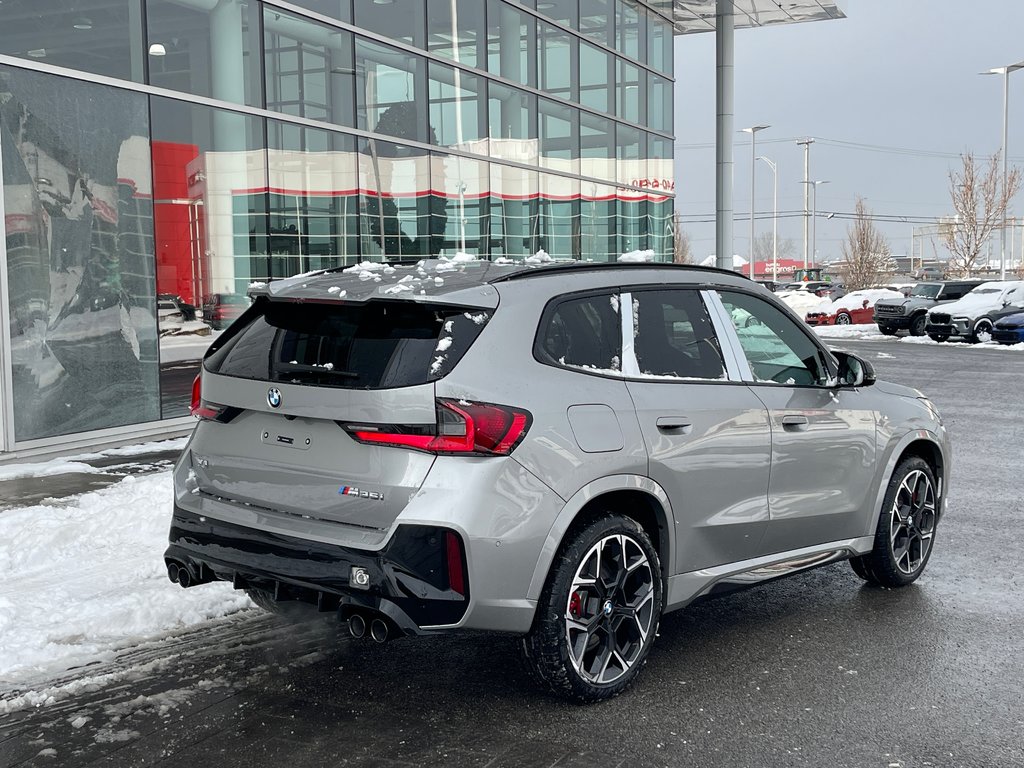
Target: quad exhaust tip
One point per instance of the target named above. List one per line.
(356, 625)
(379, 630)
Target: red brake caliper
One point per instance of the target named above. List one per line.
(576, 603)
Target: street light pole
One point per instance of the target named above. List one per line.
(1005, 72)
(775, 217)
(814, 217)
(753, 168)
(806, 144)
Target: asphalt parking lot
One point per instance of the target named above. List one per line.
(816, 670)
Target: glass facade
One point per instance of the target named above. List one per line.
(307, 134)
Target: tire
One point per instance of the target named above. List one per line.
(843, 318)
(982, 331)
(290, 609)
(887, 330)
(905, 535)
(592, 634)
(917, 325)
(939, 337)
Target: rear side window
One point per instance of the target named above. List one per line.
(376, 345)
(674, 336)
(582, 332)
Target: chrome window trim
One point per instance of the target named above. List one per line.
(728, 340)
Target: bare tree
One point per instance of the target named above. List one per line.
(979, 201)
(763, 250)
(682, 252)
(867, 257)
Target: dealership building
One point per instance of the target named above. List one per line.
(160, 155)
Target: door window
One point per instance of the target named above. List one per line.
(674, 337)
(775, 345)
(582, 332)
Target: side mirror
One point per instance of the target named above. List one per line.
(854, 371)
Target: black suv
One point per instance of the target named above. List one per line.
(910, 314)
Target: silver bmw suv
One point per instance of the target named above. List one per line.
(561, 452)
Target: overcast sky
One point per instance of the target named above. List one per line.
(898, 75)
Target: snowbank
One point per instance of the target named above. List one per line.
(86, 579)
(856, 299)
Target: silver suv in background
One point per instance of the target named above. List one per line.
(910, 314)
(973, 317)
(561, 452)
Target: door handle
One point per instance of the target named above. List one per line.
(794, 423)
(674, 424)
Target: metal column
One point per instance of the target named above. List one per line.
(724, 94)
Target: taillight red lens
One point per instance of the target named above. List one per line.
(199, 409)
(461, 427)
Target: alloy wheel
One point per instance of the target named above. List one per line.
(843, 319)
(913, 522)
(983, 331)
(609, 612)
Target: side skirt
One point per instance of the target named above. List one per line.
(684, 588)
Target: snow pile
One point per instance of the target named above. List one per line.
(803, 302)
(856, 299)
(540, 257)
(637, 257)
(862, 332)
(75, 464)
(86, 579)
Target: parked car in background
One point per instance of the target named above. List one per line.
(910, 313)
(219, 309)
(771, 285)
(855, 308)
(820, 288)
(169, 317)
(973, 317)
(930, 273)
(188, 312)
(561, 453)
(1008, 328)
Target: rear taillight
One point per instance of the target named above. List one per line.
(209, 411)
(481, 429)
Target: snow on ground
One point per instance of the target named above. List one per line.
(870, 333)
(87, 578)
(76, 464)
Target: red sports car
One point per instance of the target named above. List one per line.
(855, 308)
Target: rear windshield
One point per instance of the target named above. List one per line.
(376, 345)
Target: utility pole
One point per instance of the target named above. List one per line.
(806, 144)
(753, 169)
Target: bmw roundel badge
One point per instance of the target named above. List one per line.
(274, 397)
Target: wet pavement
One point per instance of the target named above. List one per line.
(815, 670)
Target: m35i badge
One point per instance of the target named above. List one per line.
(348, 490)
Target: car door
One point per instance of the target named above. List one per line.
(823, 436)
(707, 435)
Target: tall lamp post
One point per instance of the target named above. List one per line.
(775, 216)
(814, 216)
(1005, 72)
(753, 167)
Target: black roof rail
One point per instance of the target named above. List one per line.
(589, 266)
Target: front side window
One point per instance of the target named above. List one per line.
(674, 337)
(775, 345)
(583, 333)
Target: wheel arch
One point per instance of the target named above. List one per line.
(635, 496)
(926, 446)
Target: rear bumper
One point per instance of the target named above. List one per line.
(1008, 335)
(408, 578)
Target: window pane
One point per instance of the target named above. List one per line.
(100, 36)
(395, 203)
(596, 20)
(776, 347)
(190, 46)
(314, 200)
(674, 336)
(595, 78)
(631, 92)
(659, 103)
(403, 20)
(81, 299)
(460, 38)
(564, 11)
(389, 89)
(556, 60)
(583, 333)
(558, 226)
(309, 69)
(660, 206)
(597, 222)
(559, 136)
(513, 123)
(334, 9)
(659, 44)
(463, 186)
(210, 215)
(597, 146)
(632, 160)
(511, 43)
(513, 217)
(629, 29)
(456, 109)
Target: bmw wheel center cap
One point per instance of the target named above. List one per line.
(274, 397)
